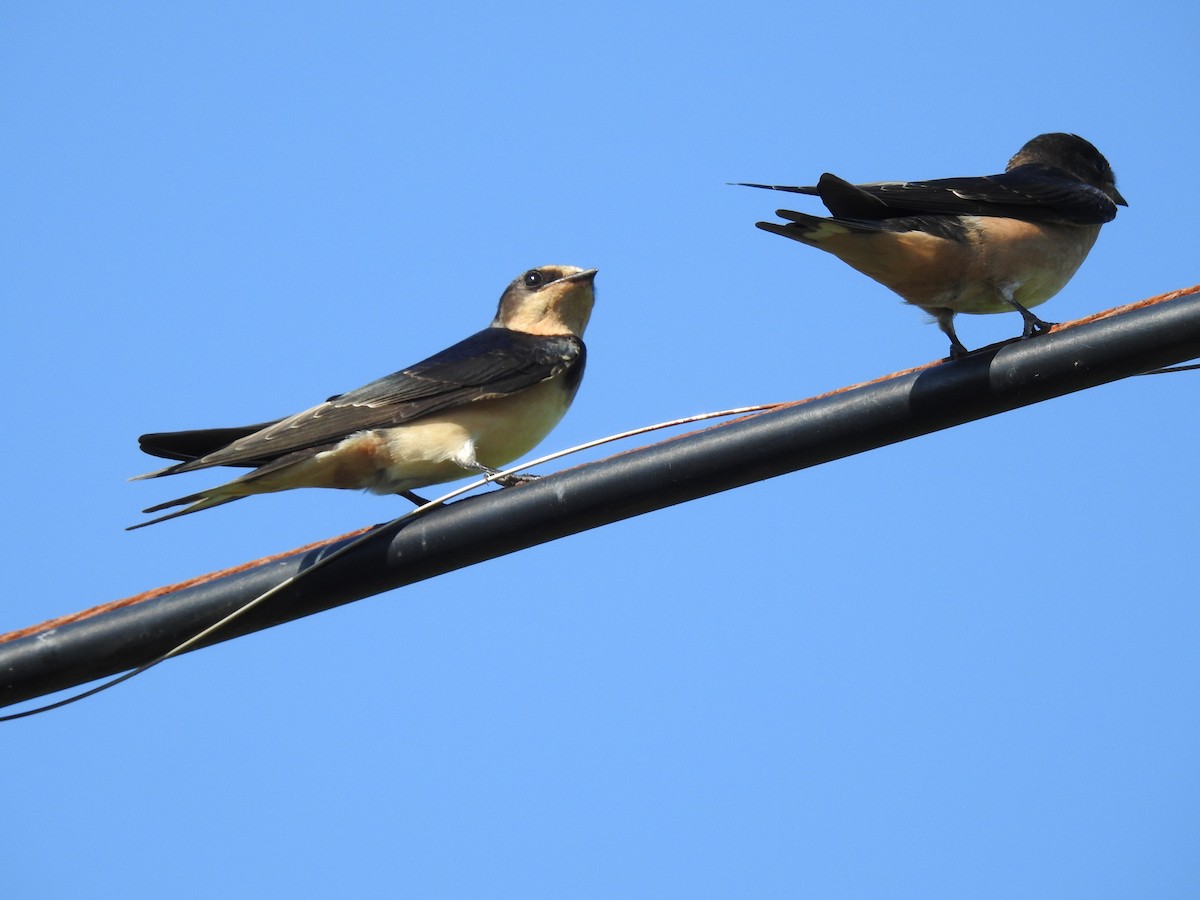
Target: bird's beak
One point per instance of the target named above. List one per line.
(1118, 199)
(587, 275)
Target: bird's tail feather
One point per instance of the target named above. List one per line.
(813, 230)
(158, 473)
(203, 500)
(266, 479)
(795, 189)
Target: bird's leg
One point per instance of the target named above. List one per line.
(413, 498)
(1033, 325)
(945, 320)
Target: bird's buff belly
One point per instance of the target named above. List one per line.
(445, 446)
(1026, 262)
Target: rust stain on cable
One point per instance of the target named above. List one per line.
(154, 593)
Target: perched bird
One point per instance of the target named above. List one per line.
(990, 244)
(470, 409)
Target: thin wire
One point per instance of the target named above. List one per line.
(362, 538)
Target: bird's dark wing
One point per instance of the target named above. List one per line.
(491, 363)
(1033, 192)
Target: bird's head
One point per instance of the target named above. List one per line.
(548, 300)
(1073, 155)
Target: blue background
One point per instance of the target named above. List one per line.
(964, 666)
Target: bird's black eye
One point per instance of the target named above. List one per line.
(534, 278)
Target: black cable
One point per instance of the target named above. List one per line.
(796, 436)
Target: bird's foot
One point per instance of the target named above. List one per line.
(506, 480)
(957, 349)
(514, 480)
(1034, 325)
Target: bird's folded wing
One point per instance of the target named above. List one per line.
(1034, 193)
(494, 362)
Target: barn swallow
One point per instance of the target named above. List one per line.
(470, 409)
(990, 244)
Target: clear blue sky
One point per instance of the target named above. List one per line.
(964, 666)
